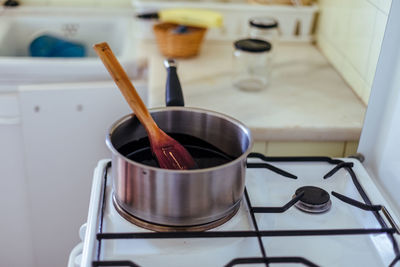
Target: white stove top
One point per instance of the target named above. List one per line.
(292, 236)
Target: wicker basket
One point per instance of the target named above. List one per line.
(178, 45)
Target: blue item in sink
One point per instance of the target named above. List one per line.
(51, 46)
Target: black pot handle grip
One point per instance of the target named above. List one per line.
(173, 89)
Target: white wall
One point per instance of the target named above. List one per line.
(350, 34)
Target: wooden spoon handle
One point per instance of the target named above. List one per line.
(125, 86)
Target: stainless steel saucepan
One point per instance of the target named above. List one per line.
(180, 197)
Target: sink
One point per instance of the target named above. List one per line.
(86, 26)
(19, 31)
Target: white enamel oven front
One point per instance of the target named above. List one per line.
(268, 228)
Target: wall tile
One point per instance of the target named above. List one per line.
(355, 80)
(333, 54)
(380, 23)
(375, 2)
(335, 20)
(361, 28)
(350, 35)
(385, 5)
(325, 17)
(382, 5)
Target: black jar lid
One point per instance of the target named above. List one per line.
(263, 23)
(253, 45)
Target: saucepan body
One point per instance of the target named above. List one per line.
(180, 197)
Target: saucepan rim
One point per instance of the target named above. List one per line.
(244, 129)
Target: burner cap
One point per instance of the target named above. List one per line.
(314, 200)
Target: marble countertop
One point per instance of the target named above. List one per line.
(307, 100)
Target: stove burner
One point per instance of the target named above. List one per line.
(314, 200)
(166, 228)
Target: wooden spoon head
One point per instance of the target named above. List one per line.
(172, 155)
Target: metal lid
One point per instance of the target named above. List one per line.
(253, 45)
(264, 23)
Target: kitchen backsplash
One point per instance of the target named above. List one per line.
(350, 34)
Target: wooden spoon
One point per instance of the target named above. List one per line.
(168, 152)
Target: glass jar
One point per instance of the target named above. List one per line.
(251, 64)
(264, 28)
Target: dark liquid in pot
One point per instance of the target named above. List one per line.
(205, 154)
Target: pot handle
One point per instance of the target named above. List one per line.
(173, 89)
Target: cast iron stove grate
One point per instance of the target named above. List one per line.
(384, 229)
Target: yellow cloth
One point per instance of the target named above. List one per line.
(191, 17)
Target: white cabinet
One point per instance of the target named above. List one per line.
(64, 128)
(16, 240)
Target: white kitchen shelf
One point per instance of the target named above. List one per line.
(295, 22)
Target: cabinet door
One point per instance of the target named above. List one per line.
(64, 128)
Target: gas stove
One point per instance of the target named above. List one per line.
(315, 211)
